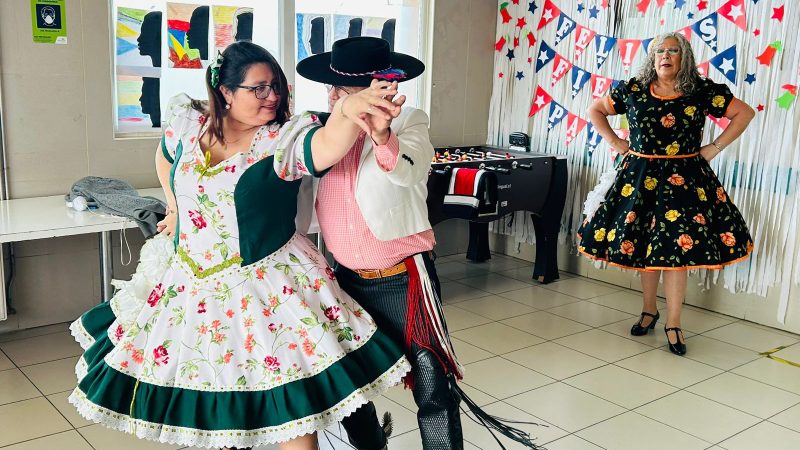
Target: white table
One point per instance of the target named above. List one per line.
(47, 217)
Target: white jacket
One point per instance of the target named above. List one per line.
(392, 203)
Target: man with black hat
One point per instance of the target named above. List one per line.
(373, 216)
(374, 219)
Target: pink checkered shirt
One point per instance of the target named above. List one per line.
(344, 229)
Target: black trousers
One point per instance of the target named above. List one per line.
(385, 299)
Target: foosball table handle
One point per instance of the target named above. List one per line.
(502, 170)
(445, 171)
(515, 164)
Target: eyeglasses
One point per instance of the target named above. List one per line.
(262, 91)
(339, 90)
(671, 51)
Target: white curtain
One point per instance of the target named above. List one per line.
(759, 170)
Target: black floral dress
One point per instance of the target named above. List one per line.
(667, 210)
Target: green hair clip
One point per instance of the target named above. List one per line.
(215, 65)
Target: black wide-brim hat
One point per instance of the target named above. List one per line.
(357, 61)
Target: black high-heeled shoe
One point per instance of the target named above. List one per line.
(638, 330)
(678, 348)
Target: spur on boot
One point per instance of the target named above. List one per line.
(638, 330)
(678, 348)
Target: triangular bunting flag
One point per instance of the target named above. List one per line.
(574, 126)
(540, 99)
(725, 62)
(549, 13)
(703, 69)
(602, 46)
(546, 54)
(593, 138)
(706, 28)
(561, 66)
(646, 44)
(722, 122)
(579, 79)
(600, 85)
(627, 50)
(735, 12)
(686, 32)
(565, 27)
(660, 3)
(583, 36)
(642, 5)
(556, 115)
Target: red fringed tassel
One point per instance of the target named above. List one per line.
(420, 329)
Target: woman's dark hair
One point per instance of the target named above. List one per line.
(236, 60)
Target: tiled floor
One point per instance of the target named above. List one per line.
(558, 355)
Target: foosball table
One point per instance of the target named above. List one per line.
(526, 181)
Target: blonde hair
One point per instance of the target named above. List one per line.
(688, 79)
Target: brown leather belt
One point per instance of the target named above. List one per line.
(371, 274)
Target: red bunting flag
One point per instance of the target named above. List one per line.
(600, 86)
(574, 126)
(686, 32)
(627, 51)
(703, 68)
(734, 11)
(583, 37)
(540, 99)
(721, 122)
(561, 66)
(642, 5)
(549, 13)
(660, 3)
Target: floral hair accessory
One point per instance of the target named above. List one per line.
(215, 65)
(390, 75)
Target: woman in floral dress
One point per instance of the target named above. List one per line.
(233, 331)
(667, 211)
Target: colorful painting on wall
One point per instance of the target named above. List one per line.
(351, 26)
(138, 103)
(231, 24)
(138, 37)
(187, 30)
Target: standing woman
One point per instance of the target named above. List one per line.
(246, 338)
(667, 211)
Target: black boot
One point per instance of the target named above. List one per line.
(438, 415)
(364, 431)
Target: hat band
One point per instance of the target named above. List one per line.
(349, 74)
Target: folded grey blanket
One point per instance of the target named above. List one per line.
(117, 197)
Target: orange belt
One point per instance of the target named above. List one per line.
(644, 155)
(397, 269)
(371, 274)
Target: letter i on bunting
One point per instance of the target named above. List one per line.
(627, 51)
(561, 66)
(540, 99)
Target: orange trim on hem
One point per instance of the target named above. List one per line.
(725, 114)
(653, 93)
(611, 104)
(643, 155)
(657, 268)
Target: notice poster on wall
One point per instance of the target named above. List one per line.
(49, 21)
